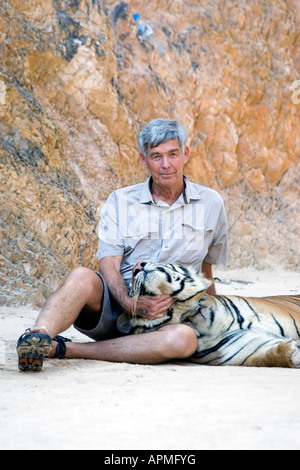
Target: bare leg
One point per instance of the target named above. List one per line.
(83, 289)
(167, 343)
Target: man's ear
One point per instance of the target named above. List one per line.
(186, 154)
(143, 160)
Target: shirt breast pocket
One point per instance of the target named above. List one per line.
(193, 236)
(141, 240)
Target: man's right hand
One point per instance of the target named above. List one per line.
(149, 307)
(153, 307)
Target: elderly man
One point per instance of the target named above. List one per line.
(166, 219)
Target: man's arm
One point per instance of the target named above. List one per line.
(150, 307)
(207, 272)
(109, 267)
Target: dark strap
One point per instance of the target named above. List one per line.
(60, 351)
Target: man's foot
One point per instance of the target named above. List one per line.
(36, 344)
(59, 347)
(32, 347)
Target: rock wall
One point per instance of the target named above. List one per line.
(76, 86)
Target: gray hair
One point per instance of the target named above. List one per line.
(159, 131)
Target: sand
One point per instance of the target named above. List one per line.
(80, 404)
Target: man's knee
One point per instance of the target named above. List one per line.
(86, 281)
(180, 341)
(82, 276)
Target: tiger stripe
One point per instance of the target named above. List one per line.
(231, 330)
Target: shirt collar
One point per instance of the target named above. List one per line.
(190, 191)
(146, 195)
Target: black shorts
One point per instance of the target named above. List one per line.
(106, 326)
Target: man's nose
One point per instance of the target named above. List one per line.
(165, 162)
(138, 268)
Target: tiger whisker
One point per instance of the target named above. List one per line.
(135, 301)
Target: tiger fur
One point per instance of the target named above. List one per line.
(231, 330)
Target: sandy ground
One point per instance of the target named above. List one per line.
(76, 404)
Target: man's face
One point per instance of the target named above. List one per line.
(165, 163)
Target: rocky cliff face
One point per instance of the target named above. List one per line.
(76, 86)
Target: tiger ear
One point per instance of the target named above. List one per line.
(203, 281)
(203, 284)
(123, 323)
(207, 282)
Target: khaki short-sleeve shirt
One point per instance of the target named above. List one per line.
(192, 230)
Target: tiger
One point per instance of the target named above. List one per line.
(231, 330)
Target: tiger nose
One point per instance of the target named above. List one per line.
(138, 268)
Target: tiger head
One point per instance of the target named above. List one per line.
(181, 282)
(159, 278)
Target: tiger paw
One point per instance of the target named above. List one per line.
(295, 355)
